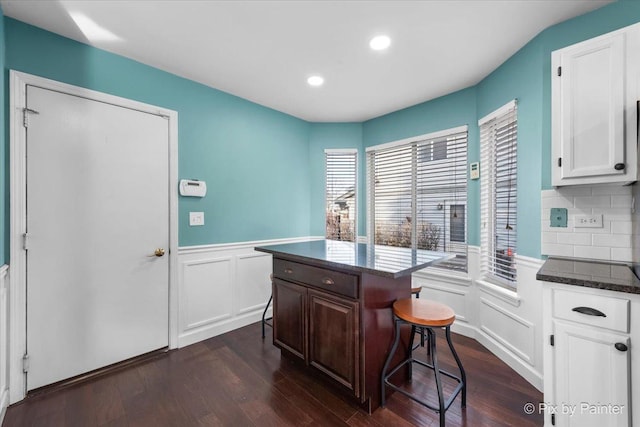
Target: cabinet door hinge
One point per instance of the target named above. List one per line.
(552, 340)
(25, 116)
(25, 363)
(559, 162)
(559, 71)
(553, 419)
(25, 241)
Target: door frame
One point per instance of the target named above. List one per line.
(17, 170)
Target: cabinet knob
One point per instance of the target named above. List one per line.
(288, 270)
(328, 281)
(619, 166)
(621, 347)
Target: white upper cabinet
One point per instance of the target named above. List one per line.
(594, 110)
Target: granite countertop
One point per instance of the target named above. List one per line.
(387, 261)
(592, 274)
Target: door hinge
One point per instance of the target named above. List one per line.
(559, 71)
(553, 419)
(552, 340)
(25, 363)
(25, 116)
(25, 241)
(559, 162)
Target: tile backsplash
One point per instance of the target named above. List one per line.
(614, 241)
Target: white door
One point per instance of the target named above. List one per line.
(592, 377)
(97, 209)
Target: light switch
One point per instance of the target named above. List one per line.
(558, 217)
(196, 218)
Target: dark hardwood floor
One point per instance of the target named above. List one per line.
(237, 379)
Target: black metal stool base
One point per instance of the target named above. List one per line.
(443, 404)
(266, 321)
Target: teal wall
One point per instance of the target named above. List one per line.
(526, 76)
(333, 135)
(255, 160)
(4, 153)
(453, 110)
(265, 169)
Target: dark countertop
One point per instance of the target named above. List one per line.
(387, 261)
(591, 274)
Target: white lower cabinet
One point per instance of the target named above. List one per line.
(592, 376)
(588, 361)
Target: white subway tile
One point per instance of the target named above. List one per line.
(612, 240)
(549, 237)
(605, 229)
(558, 250)
(575, 238)
(557, 202)
(573, 191)
(621, 201)
(592, 252)
(622, 254)
(598, 190)
(614, 214)
(621, 227)
(548, 193)
(592, 202)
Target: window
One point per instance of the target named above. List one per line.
(417, 194)
(340, 212)
(498, 147)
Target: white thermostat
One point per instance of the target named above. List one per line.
(193, 188)
(474, 170)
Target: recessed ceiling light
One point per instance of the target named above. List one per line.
(315, 80)
(92, 31)
(380, 42)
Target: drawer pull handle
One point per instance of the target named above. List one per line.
(288, 270)
(621, 347)
(589, 311)
(328, 281)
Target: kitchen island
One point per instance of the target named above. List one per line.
(332, 308)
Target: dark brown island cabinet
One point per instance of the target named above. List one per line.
(332, 308)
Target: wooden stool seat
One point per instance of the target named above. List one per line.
(423, 312)
(426, 316)
(416, 290)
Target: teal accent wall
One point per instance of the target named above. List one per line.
(450, 111)
(265, 169)
(526, 76)
(255, 160)
(4, 152)
(333, 135)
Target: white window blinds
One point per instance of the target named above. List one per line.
(498, 146)
(340, 199)
(417, 194)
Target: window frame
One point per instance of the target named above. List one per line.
(507, 115)
(415, 159)
(344, 152)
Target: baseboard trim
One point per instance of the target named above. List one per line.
(4, 404)
(209, 331)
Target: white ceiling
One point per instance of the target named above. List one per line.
(264, 51)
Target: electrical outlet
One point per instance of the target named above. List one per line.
(588, 221)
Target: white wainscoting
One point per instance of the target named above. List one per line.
(222, 287)
(507, 323)
(4, 340)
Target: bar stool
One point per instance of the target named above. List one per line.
(428, 315)
(264, 313)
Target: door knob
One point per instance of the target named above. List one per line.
(158, 252)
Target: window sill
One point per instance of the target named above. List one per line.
(499, 292)
(440, 274)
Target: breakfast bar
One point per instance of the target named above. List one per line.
(332, 308)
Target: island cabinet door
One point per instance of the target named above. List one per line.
(289, 317)
(334, 338)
